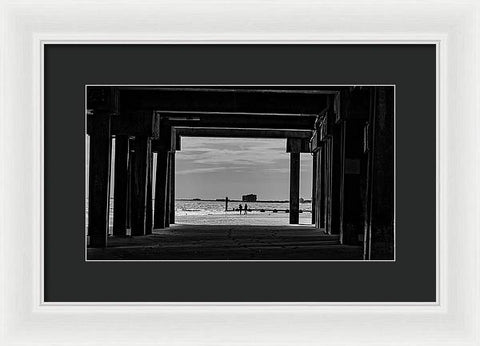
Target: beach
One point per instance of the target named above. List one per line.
(234, 218)
(194, 212)
(259, 213)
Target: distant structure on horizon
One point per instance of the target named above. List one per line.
(249, 198)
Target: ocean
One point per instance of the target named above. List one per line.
(213, 213)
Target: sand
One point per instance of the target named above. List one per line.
(229, 242)
(234, 218)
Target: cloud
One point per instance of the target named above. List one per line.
(220, 154)
(213, 167)
(225, 151)
(278, 170)
(207, 170)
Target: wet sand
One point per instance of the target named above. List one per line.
(234, 218)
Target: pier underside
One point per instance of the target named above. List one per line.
(228, 242)
(348, 130)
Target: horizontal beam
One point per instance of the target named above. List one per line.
(227, 100)
(241, 132)
(290, 89)
(298, 145)
(141, 123)
(103, 99)
(193, 114)
(246, 121)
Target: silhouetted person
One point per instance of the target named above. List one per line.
(246, 207)
(240, 208)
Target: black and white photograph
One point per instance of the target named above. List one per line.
(240, 172)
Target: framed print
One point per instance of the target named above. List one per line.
(209, 140)
(177, 181)
(261, 138)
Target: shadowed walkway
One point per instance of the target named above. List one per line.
(228, 242)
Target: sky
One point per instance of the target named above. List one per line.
(211, 168)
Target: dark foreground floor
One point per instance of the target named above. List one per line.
(228, 242)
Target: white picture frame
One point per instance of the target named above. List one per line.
(452, 26)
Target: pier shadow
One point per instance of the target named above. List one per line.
(229, 242)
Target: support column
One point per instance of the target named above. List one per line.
(322, 188)
(120, 188)
(139, 186)
(294, 187)
(160, 189)
(172, 187)
(149, 217)
(328, 186)
(337, 161)
(314, 188)
(353, 176)
(99, 180)
(168, 191)
(341, 198)
(131, 159)
(380, 191)
(319, 197)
